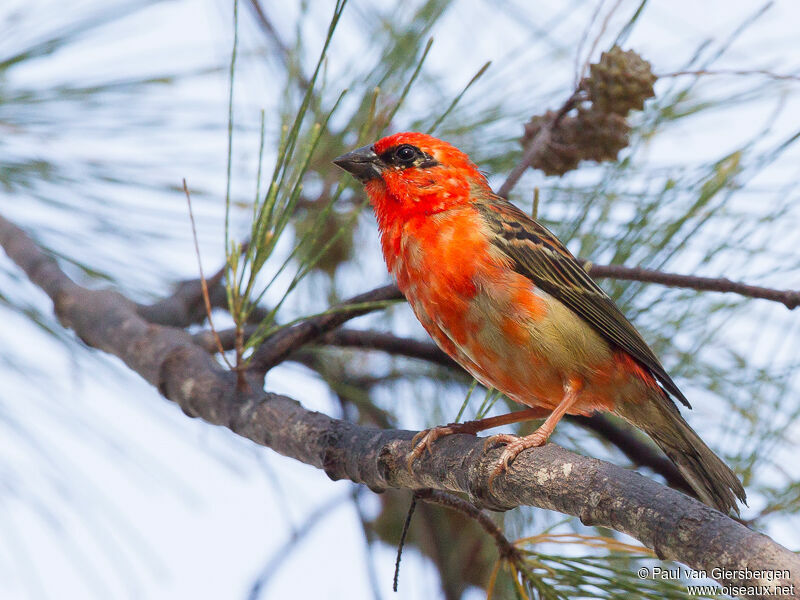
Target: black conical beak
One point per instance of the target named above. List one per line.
(362, 163)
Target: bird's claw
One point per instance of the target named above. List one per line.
(424, 439)
(514, 446)
(419, 443)
(500, 438)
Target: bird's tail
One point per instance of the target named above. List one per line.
(713, 481)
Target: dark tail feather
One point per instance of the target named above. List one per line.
(713, 481)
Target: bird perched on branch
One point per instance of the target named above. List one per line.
(503, 296)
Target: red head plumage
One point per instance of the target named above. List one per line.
(411, 173)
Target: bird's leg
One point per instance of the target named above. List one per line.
(424, 439)
(515, 445)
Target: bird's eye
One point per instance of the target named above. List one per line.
(405, 153)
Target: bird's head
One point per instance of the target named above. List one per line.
(412, 173)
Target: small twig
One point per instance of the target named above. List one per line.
(390, 343)
(277, 347)
(507, 549)
(579, 70)
(185, 305)
(603, 29)
(733, 72)
(539, 144)
(402, 542)
(789, 298)
(271, 33)
(203, 283)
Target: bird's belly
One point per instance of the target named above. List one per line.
(516, 338)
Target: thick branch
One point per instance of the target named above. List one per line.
(674, 525)
(623, 437)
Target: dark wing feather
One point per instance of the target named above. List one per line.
(541, 257)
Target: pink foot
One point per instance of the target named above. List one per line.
(514, 445)
(423, 440)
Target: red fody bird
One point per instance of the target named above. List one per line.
(505, 299)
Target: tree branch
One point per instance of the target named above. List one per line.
(504, 547)
(276, 348)
(391, 344)
(185, 305)
(538, 146)
(789, 298)
(675, 526)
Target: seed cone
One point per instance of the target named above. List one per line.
(589, 135)
(596, 127)
(619, 82)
